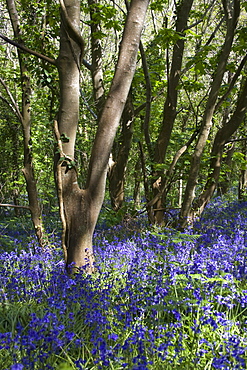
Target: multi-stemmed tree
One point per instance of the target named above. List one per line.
(79, 208)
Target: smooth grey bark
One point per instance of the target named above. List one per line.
(81, 207)
(232, 10)
(96, 51)
(117, 96)
(119, 158)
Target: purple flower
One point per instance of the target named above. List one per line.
(113, 336)
(17, 367)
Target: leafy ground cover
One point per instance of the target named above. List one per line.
(160, 299)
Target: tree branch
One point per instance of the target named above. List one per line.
(14, 105)
(27, 50)
(206, 44)
(73, 32)
(14, 206)
(60, 188)
(87, 64)
(148, 100)
(169, 172)
(234, 140)
(202, 18)
(232, 83)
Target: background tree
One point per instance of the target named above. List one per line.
(170, 106)
(232, 11)
(221, 137)
(24, 116)
(242, 186)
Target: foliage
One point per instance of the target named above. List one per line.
(153, 304)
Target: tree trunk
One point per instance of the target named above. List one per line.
(242, 185)
(25, 118)
(232, 14)
(136, 192)
(221, 138)
(117, 167)
(170, 106)
(15, 175)
(224, 184)
(165, 183)
(148, 91)
(96, 68)
(80, 208)
(118, 162)
(73, 201)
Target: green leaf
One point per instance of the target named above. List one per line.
(64, 366)
(158, 5)
(71, 164)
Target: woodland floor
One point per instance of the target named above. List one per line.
(160, 299)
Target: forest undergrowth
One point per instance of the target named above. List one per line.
(160, 299)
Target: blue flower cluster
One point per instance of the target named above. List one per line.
(160, 300)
